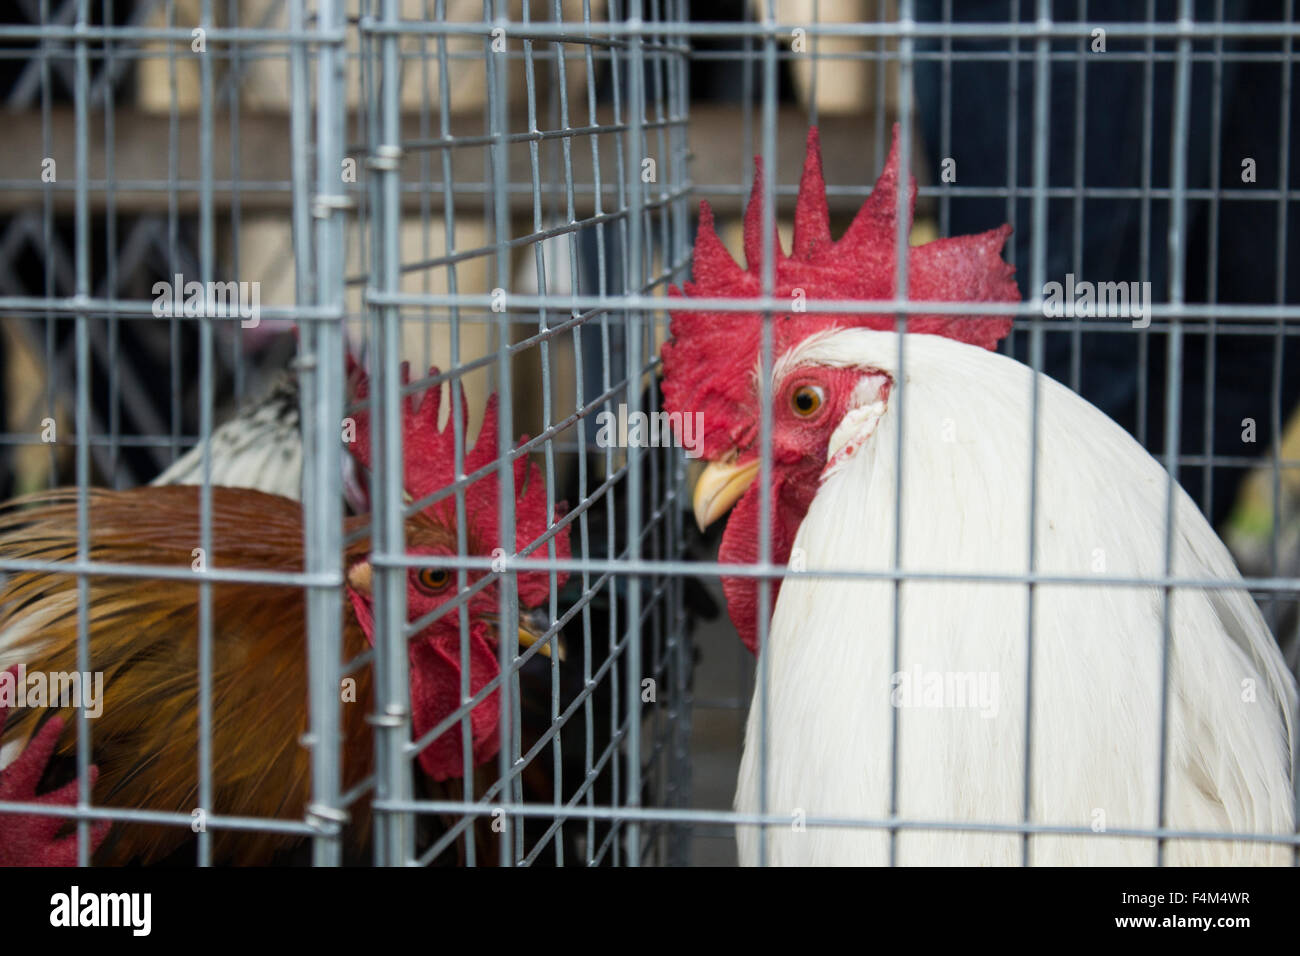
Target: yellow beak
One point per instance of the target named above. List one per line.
(719, 487)
(360, 577)
(532, 625)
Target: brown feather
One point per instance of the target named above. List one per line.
(144, 638)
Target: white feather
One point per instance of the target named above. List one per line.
(260, 448)
(1096, 649)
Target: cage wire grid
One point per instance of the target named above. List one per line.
(610, 313)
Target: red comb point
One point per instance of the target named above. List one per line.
(709, 361)
(812, 218)
(430, 465)
(754, 226)
(877, 221)
(713, 266)
(34, 840)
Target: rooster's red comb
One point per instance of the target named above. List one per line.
(708, 364)
(430, 465)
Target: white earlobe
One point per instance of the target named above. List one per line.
(866, 407)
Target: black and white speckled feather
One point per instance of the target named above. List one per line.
(260, 448)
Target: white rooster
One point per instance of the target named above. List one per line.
(957, 689)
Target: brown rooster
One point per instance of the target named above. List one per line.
(144, 639)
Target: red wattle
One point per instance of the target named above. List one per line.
(435, 694)
(740, 546)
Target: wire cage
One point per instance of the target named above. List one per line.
(415, 185)
(496, 197)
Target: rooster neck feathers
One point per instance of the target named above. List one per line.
(1097, 650)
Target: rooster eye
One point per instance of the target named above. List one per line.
(806, 400)
(434, 579)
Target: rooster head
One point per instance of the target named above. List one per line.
(435, 653)
(711, 362)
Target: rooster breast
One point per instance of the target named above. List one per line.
(959, 687)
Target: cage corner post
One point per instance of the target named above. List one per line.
(320, 368)
(394, 823)
(636, 144)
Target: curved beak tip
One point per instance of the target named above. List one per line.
(532, 627)
(719, 487)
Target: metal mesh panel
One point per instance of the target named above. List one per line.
(500, 194)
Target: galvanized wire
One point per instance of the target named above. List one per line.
(601, 253)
